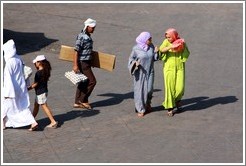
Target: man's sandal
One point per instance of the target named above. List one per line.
(86, 105)
(78, 106)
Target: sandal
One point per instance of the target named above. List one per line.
(140, 114)
(86, 105)
(53, 126)
(170, 113)
(33, 128)
(78, 106)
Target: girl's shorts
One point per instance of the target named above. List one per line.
(42, 98)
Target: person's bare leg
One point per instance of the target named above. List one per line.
(4, 121)
(49, 114)
(35, 109)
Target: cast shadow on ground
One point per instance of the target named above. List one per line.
(201, 103)
(27, 42)
(61, 118)
(115, 98)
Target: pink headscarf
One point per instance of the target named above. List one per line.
(176, 39)
(142, 39)
(173, 33)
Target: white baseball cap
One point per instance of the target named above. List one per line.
(39, 58)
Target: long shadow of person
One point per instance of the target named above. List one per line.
(61, 118)
(27, 41)
(200, 103)
(115, 98)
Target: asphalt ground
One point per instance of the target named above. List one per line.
(209, 130)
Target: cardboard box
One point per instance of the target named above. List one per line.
(100, 60)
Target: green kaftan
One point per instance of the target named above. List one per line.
(174, 74)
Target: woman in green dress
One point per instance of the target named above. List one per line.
(174, 53)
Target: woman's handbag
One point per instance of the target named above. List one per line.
(27, 71)
(75, 78)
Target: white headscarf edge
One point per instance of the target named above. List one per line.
(89, 22)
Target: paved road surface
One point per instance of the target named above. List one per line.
(210, 130)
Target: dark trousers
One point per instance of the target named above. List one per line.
(84, 89)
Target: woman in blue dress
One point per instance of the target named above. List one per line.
(141, 66)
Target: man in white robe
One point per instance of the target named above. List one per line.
(15, 98)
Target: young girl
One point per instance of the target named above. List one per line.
(174, 53)
(41, 88)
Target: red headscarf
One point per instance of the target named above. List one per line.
(176, 39)
(173, 33)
